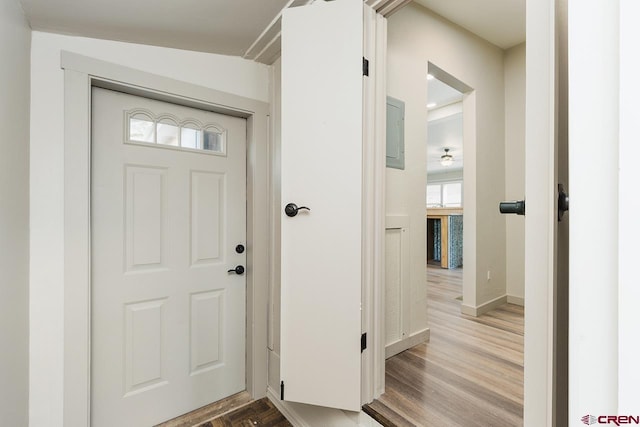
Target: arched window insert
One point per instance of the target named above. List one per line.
(168, 131)
(214, 139)
(142, 127)
(191, 135)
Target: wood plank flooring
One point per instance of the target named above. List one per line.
(261, 413)
(469, 374)
(237, 410)
(210, 411)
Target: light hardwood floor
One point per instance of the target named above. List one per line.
(469, 374)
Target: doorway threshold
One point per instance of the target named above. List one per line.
(210, 412)
(385, 415)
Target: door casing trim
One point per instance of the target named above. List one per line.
(81, 73)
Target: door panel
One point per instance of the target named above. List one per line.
(322, 169)
(146, 219)
(207, 190)
(168, 320)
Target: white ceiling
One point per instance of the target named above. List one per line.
(441, 94)
(445, 131)
(230, 27)
(226, 27)
(501, 22)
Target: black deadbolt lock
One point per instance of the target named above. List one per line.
(240, 249)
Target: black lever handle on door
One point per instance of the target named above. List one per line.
(238, 270)
(515, 207)
(292, 209)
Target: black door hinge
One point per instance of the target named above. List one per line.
(281, 390)
(363, 342)
(365, 66)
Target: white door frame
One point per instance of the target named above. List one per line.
(539, 228)
(628, 206)
(80, 74)
(601, 174)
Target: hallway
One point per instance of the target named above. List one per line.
(470, 373)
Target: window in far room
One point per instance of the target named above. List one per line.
(446, 195)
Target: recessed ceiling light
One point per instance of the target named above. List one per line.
(430, 77)
(431, 105)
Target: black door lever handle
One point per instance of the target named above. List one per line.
(515, 207)
(238, 270)
(292, 209)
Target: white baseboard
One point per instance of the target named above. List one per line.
(515, 300)
(483, 308)
(301, 415)
(405, 344)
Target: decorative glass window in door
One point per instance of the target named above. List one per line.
(168, 131)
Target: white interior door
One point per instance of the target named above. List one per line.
(322, 169)
(168, 209)
(540, 219)
(547, 238)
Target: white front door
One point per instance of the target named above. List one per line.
(168, 210)
(322, 156)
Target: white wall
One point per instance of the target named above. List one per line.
(229, 74)
(417, 37)
(628, 290)
(444, 176)
(15, 40)
(514, 104)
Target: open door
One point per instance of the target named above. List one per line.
(322, 156)
(547, 254)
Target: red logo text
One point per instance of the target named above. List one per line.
(619, 419)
